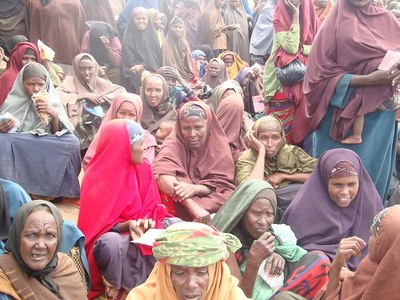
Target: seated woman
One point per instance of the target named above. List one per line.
(194, 165)
(43, 156)
(191, 265)
(33, 264)
(269, 261)
(340, 198)
(128, 204)
(140, 50)
(249, 81)
(233, 63)
(227, 103)
(285, 167)
(124, 106)
(156, 103)
(83, 91)
(215, 73)
(200, 60)
(102, 41)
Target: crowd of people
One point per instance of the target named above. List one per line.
(213, 149)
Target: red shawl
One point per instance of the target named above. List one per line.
(352, 40)
(14, 65)
(211, 165)
(309, 25)
(115, 190)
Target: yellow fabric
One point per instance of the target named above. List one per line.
(6, 287)
(222, 285)
(238, 64)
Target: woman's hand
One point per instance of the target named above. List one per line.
(275, 264)
(385, 77)
(105, 41)
(202, 216)
(253, 143)
(93, 99)
(261, 248)
(140, 226)
(276, 179)
(136, 68)
(293, 9)
(348, 247)
(43, 106)
(183, 191)
(7, 125)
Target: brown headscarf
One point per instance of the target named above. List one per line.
(212, 24)
(211, 165)
(153, 116)
(176, 53)
(222, 74)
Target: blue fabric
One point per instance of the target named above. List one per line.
(247, 8)
(4, 297)
(74, 237)
(378, 148)
(125, 14)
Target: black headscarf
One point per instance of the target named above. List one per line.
(5, 215)
(97, 49)
(10, 44)
(13, 244)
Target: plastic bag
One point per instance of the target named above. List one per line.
(291, 73)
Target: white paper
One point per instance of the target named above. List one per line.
(275, 282)
(149, 237)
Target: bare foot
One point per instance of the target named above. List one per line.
(352, 140)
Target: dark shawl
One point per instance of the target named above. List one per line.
(140, 47)
(352, 41)
(97, 49)
(13, 244)
(211, 165)
(318, 223)
(5, 215)
(153, 116)
(10, 44)
(99, 10)
(9, 8)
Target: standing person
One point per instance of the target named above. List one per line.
(214, 28)
(70, 19)
(12, 19)
(191, 265)
(340, 199)
(117, 209)
(238, 39)
(176, 52)
(99, 10)
(295, 26)
(140, 50)
(194, 165)
(342, 73)
(81, 90)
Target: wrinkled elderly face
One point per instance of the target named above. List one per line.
(190, 283)
(259, 217)
(39, 239)
(154, 91)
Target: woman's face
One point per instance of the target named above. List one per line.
(39, 239)
(33, 85)
(140, 20)
(85, 70)
(272, 140)
(190, 283)
(177, 30)
(359, 3)
(228, 60)
(194, 131)
(259, 217)
(137, 152)
(28, 58)
(154, 91)
(343, 190)
(127, 111)
(201, 59)
(213, 69)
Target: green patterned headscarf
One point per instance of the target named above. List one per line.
(190, 244)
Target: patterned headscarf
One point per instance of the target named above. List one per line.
(193, 111)
(269, 123)
(191, 244)
(343, 169)
(135, 131)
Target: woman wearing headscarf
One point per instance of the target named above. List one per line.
(155, 18)
(269, 260)
(140, 49)
(10, 43)
(124, 106)
(81, 92)
(194, 164)
(238, 39)
(156, 105)
(248, 78)
(342, 82)
(176, 52)
(43, 155)
(55, 22)
(102, 41)
(340, 198)
(227, 103)
(198, 250)
(233, 63)
(295, 26)
(215, 73)
(116, 209)
(200, 61)
(37, 231)
(285, 167)
(322, 8)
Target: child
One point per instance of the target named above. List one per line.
(164, 130)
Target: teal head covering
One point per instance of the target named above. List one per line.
(190, 244)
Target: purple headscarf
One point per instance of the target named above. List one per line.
(318, 223)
